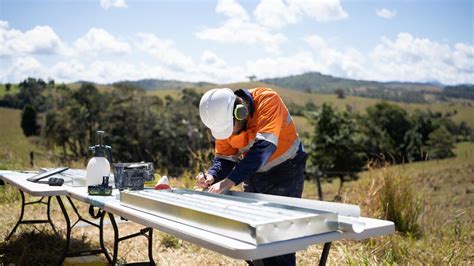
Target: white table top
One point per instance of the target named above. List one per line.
(222, 244)
(18, 180)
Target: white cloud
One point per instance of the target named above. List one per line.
(214, 68)
(164, 51)
(269, 14)
(20, 68)
(231, 9)
(39, 40)
(328, 10)
(276, 13)
(385, 13)
(99, 41)
(106, 4)
(270, 67)
(91, 57)
(408, 58)
(241, 32)
(238, 29)
(346, 63)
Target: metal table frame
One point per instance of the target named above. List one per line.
(22, 212)
(44, 192)
(227, 246)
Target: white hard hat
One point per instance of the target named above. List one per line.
(216, 111)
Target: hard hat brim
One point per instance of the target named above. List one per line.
(225, 133)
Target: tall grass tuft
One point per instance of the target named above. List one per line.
(401, 201)
(169, 241)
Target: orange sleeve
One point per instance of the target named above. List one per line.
(224, 150)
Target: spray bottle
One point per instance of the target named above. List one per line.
(98, 167)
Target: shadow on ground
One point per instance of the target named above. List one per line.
(37, 248)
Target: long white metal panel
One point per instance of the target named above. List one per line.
(249, 220)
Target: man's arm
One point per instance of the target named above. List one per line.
(220, 168)
(258, 155)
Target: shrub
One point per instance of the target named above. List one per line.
(401, 201)
(169, 241)
(28, 121)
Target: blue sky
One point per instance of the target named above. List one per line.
(226, 41)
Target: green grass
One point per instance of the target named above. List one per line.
(446, 187)
(15, 148)
(13, 90)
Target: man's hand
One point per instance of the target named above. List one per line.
(221, 186)
(204, 180)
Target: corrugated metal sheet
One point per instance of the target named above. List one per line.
(249, 220)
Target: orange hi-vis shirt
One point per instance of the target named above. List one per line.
(272, 122)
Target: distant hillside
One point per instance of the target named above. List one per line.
(160, 84)
(315, 81)
(395, 91)
(464, 91)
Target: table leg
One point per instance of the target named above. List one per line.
(68, 229)
(143, 232)
(49, 215)
(101, 237)
(325, 254)
(22, 213)
(21, 216)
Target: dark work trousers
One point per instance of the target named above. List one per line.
(285, 179)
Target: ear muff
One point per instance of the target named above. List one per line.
(241, 112)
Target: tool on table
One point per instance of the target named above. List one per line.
(48, 173)
(163, 183)
(99, 166)
(53, 181)
(203, 174)
(133, 175)
(100, 190)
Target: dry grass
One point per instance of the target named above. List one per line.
(446, 223)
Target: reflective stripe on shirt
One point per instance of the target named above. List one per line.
(289, 154)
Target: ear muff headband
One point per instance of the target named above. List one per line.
(241, 112)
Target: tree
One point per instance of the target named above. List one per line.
(31, 92)
(252, 78)
(340, 93)
(336, 145)
(28, 121)
(8, 87)
(388, 124)
(51, 83)
(440, 144)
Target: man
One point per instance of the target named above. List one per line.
(256, 143)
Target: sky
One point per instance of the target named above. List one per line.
(227, 41)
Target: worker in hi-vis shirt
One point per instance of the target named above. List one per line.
(256, 143)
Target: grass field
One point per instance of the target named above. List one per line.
(14, 89)
(447, 187)
(15, 148)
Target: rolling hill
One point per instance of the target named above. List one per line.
(161, 84)
(317, 82)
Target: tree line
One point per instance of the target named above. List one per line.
(168, 131)
(343, 142)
